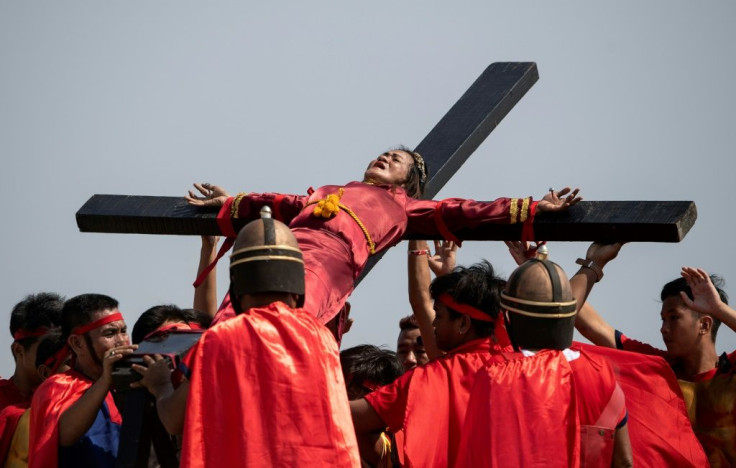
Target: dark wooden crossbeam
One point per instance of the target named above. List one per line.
(630, 221)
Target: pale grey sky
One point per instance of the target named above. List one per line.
(635, 102)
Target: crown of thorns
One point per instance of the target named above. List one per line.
(419, 161)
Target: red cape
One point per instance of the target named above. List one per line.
(436, 401)
(50, 400)
(659, 429)
(267, 390)
(9, 417)
(541, 389)
(12, 406)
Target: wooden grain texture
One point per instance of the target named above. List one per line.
(629, 221)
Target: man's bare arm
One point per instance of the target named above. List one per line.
(419, 298)
(588, 322)
(622, 456)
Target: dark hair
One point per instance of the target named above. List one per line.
(79, 311)
(49, 345)
(414, 185)
(408, 323)
(673, 288)
(368, 363)
(154, 317)
(36, 311)
(476, 285)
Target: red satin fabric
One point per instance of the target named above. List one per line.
(12, 405)
(54, 396)
(9, 417)
(336, 250)
(523, 413)
(267, 390)
(10, 395)
(659, 428)
(429, 403)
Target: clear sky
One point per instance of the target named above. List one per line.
(635, 102)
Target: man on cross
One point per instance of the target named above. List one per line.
(339, 227)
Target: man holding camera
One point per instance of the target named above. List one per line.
(74, 420)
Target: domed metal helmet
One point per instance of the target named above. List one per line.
(266, 258)
(541, 307)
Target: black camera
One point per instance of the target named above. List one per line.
(172, 345)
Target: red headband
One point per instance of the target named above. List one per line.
(82, 329)
(470, 311)
(179, 326)
(29, 333)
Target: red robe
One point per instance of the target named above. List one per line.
(709, 399)
(54, 396)
(542, 411)
(267, 389)
(336, 249)
(659, 429)
(429, 403)
(12, 406)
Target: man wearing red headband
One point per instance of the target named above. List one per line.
(429, 401)
(30, 320)
(74, 420)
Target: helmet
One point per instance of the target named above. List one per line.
(266, 258)
(540, 305)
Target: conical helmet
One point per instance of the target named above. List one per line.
(266, 258)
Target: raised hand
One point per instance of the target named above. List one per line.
(559, 201)
(112, 356)
(156, 374)
(705, 297)
(212, 196)
(519, 251)
(443, 261)
(603, 253)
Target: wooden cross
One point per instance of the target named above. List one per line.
(447, 146)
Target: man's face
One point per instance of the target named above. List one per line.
(410, 349)
(108, 336)
(680, 327)
(446, 329)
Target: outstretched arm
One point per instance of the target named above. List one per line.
(205, 295)
(705, 297)
(588, 322)
(247, 206)
(419, 298)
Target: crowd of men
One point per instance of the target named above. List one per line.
(485, 372)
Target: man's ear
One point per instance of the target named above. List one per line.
(706, 324)
(76, 342)
(464, 324)
(17, 349)
(43, 371)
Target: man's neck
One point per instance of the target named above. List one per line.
(90, 370)
(701, 360)
(23, 383)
